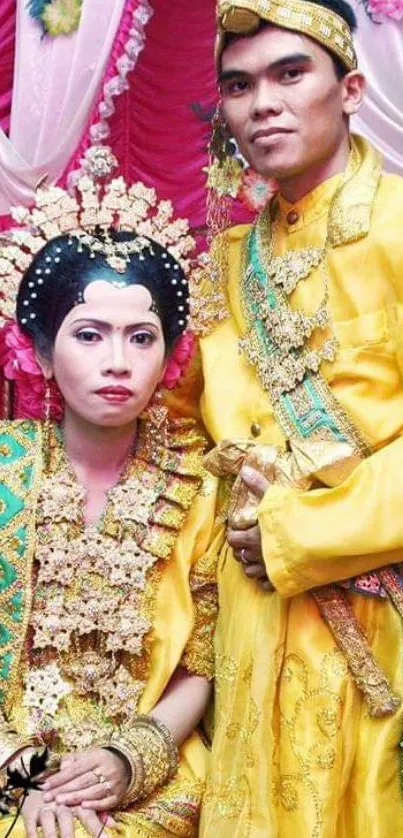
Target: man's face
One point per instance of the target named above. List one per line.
(283, 102)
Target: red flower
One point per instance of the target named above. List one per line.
(391, 8)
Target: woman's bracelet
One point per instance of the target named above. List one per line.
(124, 748)
(152, 754)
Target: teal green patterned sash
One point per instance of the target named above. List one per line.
(302, 400)
(20, 472)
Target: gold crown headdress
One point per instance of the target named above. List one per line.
(87, 216)
(320, 23)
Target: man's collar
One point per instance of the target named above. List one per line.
(347, 199)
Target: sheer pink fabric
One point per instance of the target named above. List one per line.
(55, 85)
(380, 53)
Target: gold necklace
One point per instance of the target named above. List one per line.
(276, 338)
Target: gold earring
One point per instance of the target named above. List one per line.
(224, 176)
(47, 407)
(225, 166)
(47, 403)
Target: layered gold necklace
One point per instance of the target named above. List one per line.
(277, 338)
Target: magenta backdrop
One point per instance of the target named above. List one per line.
(156, 134)
(159, 131)
(7, 39)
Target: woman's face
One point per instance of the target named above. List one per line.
(109, 355)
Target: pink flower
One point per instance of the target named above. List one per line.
(255, 191)
(17, 358)
(179, 360)
(17, 354)
(391, 8)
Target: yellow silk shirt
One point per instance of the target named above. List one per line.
(295, 751)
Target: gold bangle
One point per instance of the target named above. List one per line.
(168, 740)
(134, 790)
(154, 743)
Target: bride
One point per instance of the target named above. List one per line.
(109, 536)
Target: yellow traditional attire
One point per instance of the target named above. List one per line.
(296, 751)
(83, 653)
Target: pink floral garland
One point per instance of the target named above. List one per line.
(390, 8)
(19, 364)
(127, 47)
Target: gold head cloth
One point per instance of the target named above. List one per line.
(242, 17)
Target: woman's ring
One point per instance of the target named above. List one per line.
(99, 777)
(107, 786)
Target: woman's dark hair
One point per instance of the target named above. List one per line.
(60, 272)
(340, 7)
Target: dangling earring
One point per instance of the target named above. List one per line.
(47, 403)
(226, 162)
(47, 422)
(224, 171)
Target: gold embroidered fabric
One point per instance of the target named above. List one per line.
(320, 23)
(316, 746)
(208, 303)
(288, 353)
(111, 617)
(98, 621)
(199, 652)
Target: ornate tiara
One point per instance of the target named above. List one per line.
(88, 215)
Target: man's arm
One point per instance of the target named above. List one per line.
(314, 538)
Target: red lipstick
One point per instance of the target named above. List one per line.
(115, 393)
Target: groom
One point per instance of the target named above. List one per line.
(301, 343)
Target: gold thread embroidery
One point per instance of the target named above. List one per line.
(99, 622)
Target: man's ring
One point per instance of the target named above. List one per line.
(100, 777)
(244, 560)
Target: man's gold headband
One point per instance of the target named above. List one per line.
(243, 17)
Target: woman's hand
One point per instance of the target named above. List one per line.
(96, 779)
(58, 821)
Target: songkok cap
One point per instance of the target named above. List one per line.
(243, 17)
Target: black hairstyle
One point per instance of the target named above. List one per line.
(339, 7)
(59, 273)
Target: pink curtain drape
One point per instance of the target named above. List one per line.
(55, 85)
(380, 53)
(162, 123)
(7, 43)
(160, 127)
